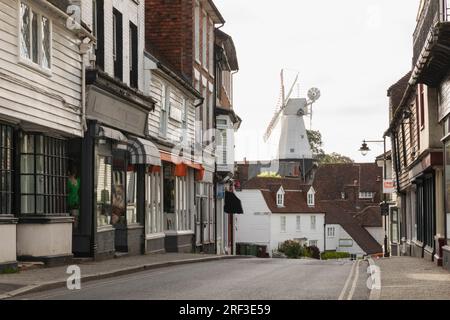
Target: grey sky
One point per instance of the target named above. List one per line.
(353, 50)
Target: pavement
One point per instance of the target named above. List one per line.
(232, 279)
(41, 279)
(408, 278)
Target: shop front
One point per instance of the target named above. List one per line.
(180, 178)
(116, 158)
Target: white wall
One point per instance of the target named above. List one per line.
(42, 240)
(8, 243)
(174, 127)
(333, 244)
(254, 225)
(51, 99)
(377, 233)
(132, 11)
(278, 237)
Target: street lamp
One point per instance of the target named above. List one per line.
(365, 151)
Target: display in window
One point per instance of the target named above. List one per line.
(118, 201)
(104, 190)
(73, 195)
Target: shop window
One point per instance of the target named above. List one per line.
(169, 189)
(43, 170)
(119, 188)
(104, 189)
(131, 195)
(447, 185)
(6, 166)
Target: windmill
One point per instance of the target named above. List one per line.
(293, 144)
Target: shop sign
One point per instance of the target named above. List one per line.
(389, 186)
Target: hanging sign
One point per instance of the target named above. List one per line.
(389, 186)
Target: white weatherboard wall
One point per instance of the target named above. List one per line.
(377, 233)
(278, 237)
(8, 242)
(132, 11)
(334, 243)
(254, 225)
(50, 99)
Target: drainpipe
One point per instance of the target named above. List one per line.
(83, 51)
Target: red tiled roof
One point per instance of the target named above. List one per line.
(294, 202)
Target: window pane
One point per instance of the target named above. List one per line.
(27, 164)
(46, 43)
(40, 205)
(25, 36)
(40, 184)
(27, 205)
(34, 38)
(27, 144)
(27, 184)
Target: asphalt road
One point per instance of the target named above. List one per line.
(241, 279)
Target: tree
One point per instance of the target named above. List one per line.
(315, 140)
(334, 158)
(269, 175)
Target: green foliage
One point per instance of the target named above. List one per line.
(9, 271)
(334, 158)
(293, 250)
(269, 175)
(331, 255)
(314, 252)
(315, 140)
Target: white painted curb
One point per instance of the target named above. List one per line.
(375, 293)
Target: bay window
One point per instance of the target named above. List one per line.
(6, 167)
(43, 175)
(35, 37)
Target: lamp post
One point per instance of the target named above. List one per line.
(365, 151)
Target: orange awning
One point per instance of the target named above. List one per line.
(178, 160)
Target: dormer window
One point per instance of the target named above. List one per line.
(311, 197)
(280, 198)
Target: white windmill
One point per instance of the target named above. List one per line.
(293, 143)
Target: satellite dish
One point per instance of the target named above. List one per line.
(314, 94)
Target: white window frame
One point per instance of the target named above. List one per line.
(299, 223)
(283, 224)
(313, 222)
(280, 198)
(366, 195)
(314, 243)
(28, 62)
(311, 197)
(331, 232)
(164, 117)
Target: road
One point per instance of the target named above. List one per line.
(240, 279)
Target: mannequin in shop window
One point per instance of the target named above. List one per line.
(73, 195)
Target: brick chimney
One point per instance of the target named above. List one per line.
(169, 33)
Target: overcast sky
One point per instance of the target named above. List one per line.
(353, 50)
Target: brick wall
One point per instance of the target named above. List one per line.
(169, 31)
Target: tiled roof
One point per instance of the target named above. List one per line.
(397, 91)
(352, 213)
(370, 217)
(333, 179)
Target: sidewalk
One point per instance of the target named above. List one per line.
(406, 278)
(49, 278)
